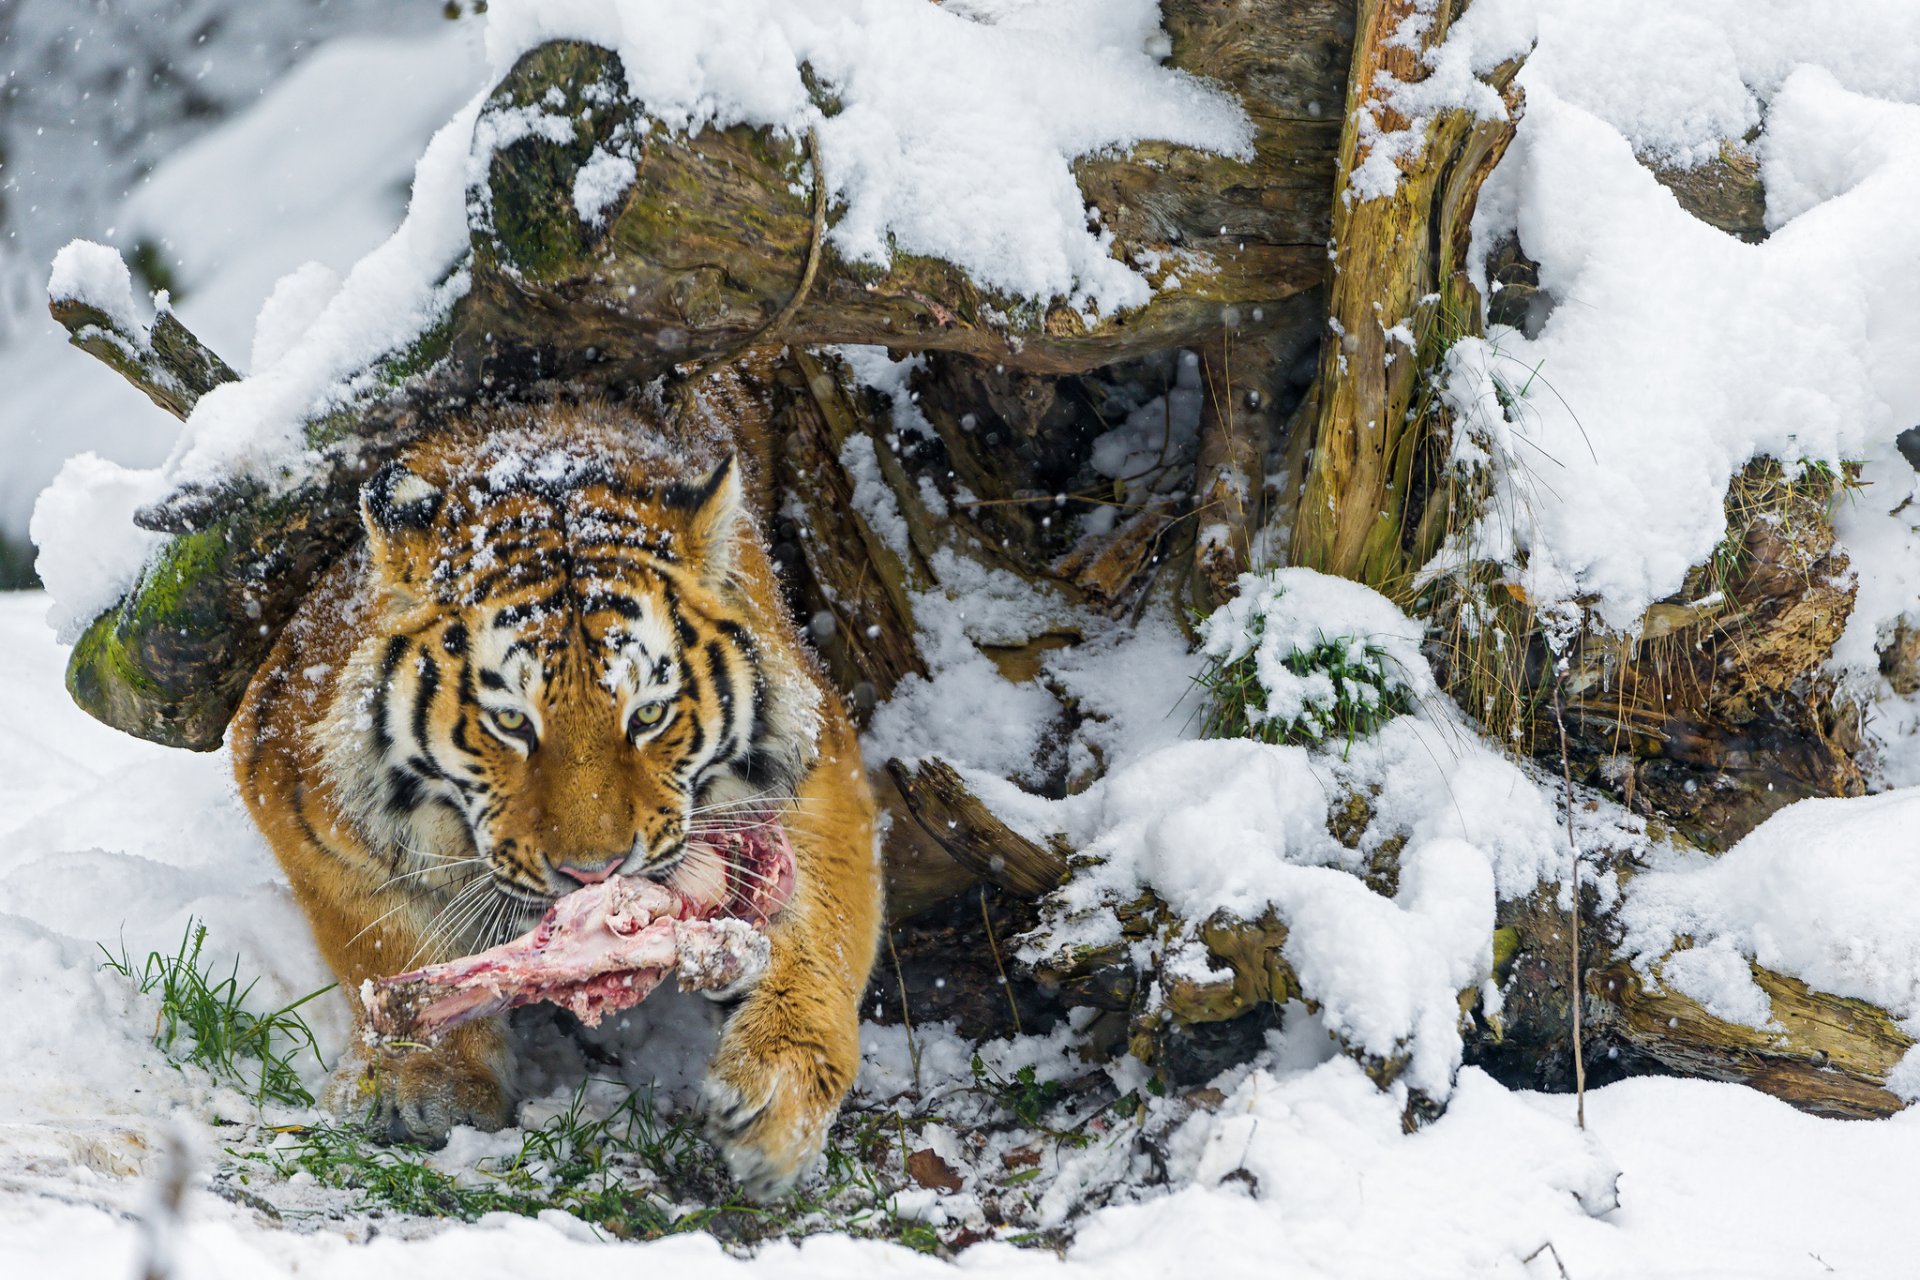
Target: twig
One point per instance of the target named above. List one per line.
(994, 947)
(766, 333)
(165, 361)
(1551, 1252)
(1579, 1055)
(814, 243)
(906, 1017)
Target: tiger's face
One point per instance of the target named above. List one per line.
(570, 685)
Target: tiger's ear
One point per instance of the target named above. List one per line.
(716, 514)
(398, 508)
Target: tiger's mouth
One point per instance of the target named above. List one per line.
(743, 872)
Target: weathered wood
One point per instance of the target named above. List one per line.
(171, 660)
(167, 363)
(968, 830)
(648, 291)
(1399, 280)
(1831, 1055)
(1725, 192)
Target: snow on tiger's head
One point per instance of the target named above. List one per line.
(574, 665)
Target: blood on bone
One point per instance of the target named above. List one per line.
(607, 946)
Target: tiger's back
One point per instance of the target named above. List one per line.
(559, 655)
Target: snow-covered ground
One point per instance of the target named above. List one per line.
(1301, 1169)
(1674, 355)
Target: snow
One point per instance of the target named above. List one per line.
(91, 550)
(956, 125)
(288, 314)
(1674, 355)
(1242, 827)
(95, 276)
(1822, 891)
(1610, 486)
(600, 184)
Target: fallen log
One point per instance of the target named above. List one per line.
(642, 294)
(967, 829)
(1826, 1054)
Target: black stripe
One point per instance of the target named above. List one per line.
(682, 629)
(602, 600)
(423, 702)
(723, 693)
(403, 791)
(690, 692)
(526, 611)
(389, 663)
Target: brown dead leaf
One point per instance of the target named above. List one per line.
(1022, 1157)
(929, 1170)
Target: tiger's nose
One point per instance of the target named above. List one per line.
(591, 872)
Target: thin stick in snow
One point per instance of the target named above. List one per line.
(1579, 1055)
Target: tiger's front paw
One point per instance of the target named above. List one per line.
(419, 1095)
(772, 1094)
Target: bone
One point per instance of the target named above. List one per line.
(604, 947)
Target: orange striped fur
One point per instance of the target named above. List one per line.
(561, 650)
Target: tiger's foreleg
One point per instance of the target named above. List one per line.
(367, 926)
(789, 1052)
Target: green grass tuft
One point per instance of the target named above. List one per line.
(1366, 694)
(203, 1022)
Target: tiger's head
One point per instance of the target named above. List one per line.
(572, 677)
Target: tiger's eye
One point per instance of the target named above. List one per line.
(646, 716)
(511, 721)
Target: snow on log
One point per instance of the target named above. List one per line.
(687, 266)
(91, 294)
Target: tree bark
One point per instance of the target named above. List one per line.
(1400, 291)
(167, 363)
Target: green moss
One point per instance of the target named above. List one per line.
(164, 593)
(1506, 945)
(535, 229)
(99, 664)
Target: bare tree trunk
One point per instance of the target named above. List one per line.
(1399, 288)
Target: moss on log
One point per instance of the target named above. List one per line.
(710, 242)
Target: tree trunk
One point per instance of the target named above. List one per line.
(1400, 292)
(554, 299)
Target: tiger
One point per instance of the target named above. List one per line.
(560, 652)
